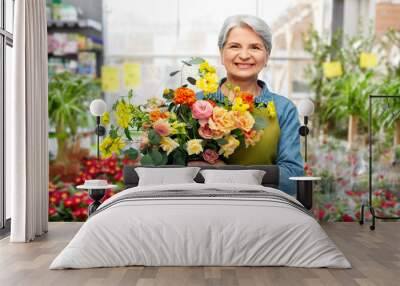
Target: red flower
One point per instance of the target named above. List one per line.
(87, 201)
(349, 193)
(64, 195)
(388, 204)
(52, 211)
(212, 102)
(347, 218)
(68, 203)
(80, 214)
(321, 214)
(76, 200)
(54, 198)
(389, 195)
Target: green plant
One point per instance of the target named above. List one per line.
(69, 97)
(321, 50)
(344, 95)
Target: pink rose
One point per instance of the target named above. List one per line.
(162, 127)
(203, 122)
(202, 109)
(210, 156)
(205, 132)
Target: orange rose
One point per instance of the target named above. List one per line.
(184, 95)
(252, 137)
(248, 98)
(222, 120)
(243, 120)
(156, 114)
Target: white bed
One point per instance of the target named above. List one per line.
(185, 230)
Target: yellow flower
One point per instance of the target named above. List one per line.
(332, 69)
(109, 146)
(178, 127)
(208, 83)
(123, 114)
(206, 68)
(105, 119)
(167, 91)
(271, 109)
(244, 120)
(368, 60)
(238, 105)
(194, 146)
(227, 149)
(117, 145)
(222, 120)
(236, 90)
(155, 102)
(168, 144)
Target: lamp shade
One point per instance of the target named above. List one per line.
(98, 107)
(306, 107)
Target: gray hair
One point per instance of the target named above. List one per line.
(255, 23)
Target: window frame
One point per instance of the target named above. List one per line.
(6, 39)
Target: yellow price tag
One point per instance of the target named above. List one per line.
(132, 75)
(110, 79)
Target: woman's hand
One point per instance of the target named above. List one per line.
(204, 163)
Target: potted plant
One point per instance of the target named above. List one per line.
(68, 99)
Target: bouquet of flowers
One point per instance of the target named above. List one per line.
(183, 126)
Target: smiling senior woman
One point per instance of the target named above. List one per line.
(245, 45)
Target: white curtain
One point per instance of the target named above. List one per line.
(27, 123)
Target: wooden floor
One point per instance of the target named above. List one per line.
(375, 257)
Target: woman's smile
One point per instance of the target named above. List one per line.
(244, 66)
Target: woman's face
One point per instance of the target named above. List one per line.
(244, 54)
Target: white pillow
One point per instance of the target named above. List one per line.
(166, 176)
(248, 177)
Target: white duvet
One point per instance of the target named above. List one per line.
(200, 231)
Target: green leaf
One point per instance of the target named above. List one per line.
(61, 135)
(164, 160)
(114, 133)
(147, 160)
(156, 157)
(222, 141)
(132, 153)
(196, 61)
(191, 80)
(154, 137)
(52, 135)
(174, 73)
(186, 63)
(130, 93)
(178, 158)
(128, 134)
(171, 106)
(260, 123)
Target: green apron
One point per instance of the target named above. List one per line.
(264, 152)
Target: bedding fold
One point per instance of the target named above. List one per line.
(201, 225)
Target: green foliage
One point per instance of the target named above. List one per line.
(154, 158)
(69, 96)
(346, 95)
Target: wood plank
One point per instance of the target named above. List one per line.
(375, 257)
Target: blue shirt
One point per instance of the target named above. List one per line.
(289, 158)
